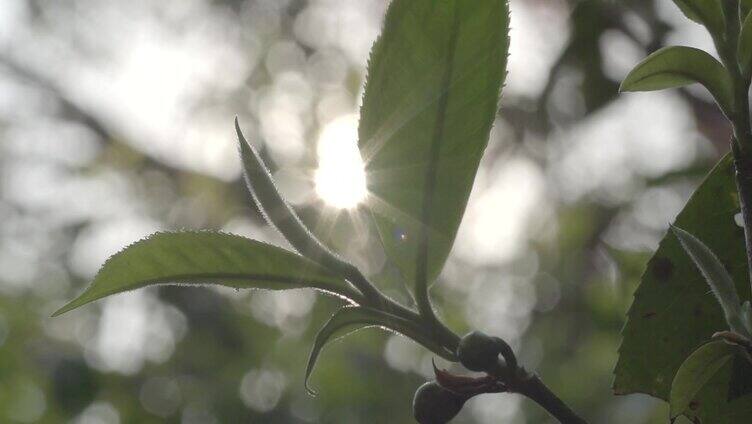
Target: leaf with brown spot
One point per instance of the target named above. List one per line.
(662, 269)
(644, 368)
(701, 366)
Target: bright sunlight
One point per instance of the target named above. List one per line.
(340, 177)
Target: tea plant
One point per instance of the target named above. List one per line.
(432, 92)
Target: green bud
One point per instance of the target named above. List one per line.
(478, 351)
(434, 404)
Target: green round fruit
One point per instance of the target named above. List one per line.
(478, 351)
(434, 404)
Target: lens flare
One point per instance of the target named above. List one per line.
(340, 178)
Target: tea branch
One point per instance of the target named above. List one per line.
(741, 143)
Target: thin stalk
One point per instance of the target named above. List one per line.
(743, 173)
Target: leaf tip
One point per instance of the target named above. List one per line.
(246, 150)
(310, 390)
(309, 370)
(66, 308)
(59, 312)
(678, 232)
(241, 138)
(628, 83)
(81, 300)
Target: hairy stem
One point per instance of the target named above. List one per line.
(743, 172)
(741, 143)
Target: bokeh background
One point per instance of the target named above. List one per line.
(116, 121)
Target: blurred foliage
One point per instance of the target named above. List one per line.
(78, 180)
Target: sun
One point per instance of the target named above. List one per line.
(340, 178)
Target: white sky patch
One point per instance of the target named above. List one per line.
(684, 31)
(134, 327)
(535, 43)
(98, 242)
(495, 409)
(99, 413)
(286, 310)
(641, 134)
(261, 389)
(349, 26)
(403, 354)
(148, 88)
(503, 203)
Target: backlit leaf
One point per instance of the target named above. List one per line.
(717, 277)
(433, 87)
(676, 66)
(706, 12)
(696, 371)
(744, 7)
(745, 46)
(207, 258)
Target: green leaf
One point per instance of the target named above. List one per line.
(433, 88)
(674, 313)
(696, 371)
(676, 66)
(274, 207)
(745, 6)
(717, 277)
(353, 318)
(745, 46)
(207, 258)
(706, 12)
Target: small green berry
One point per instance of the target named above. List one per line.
(478, 351)
(434, 404)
